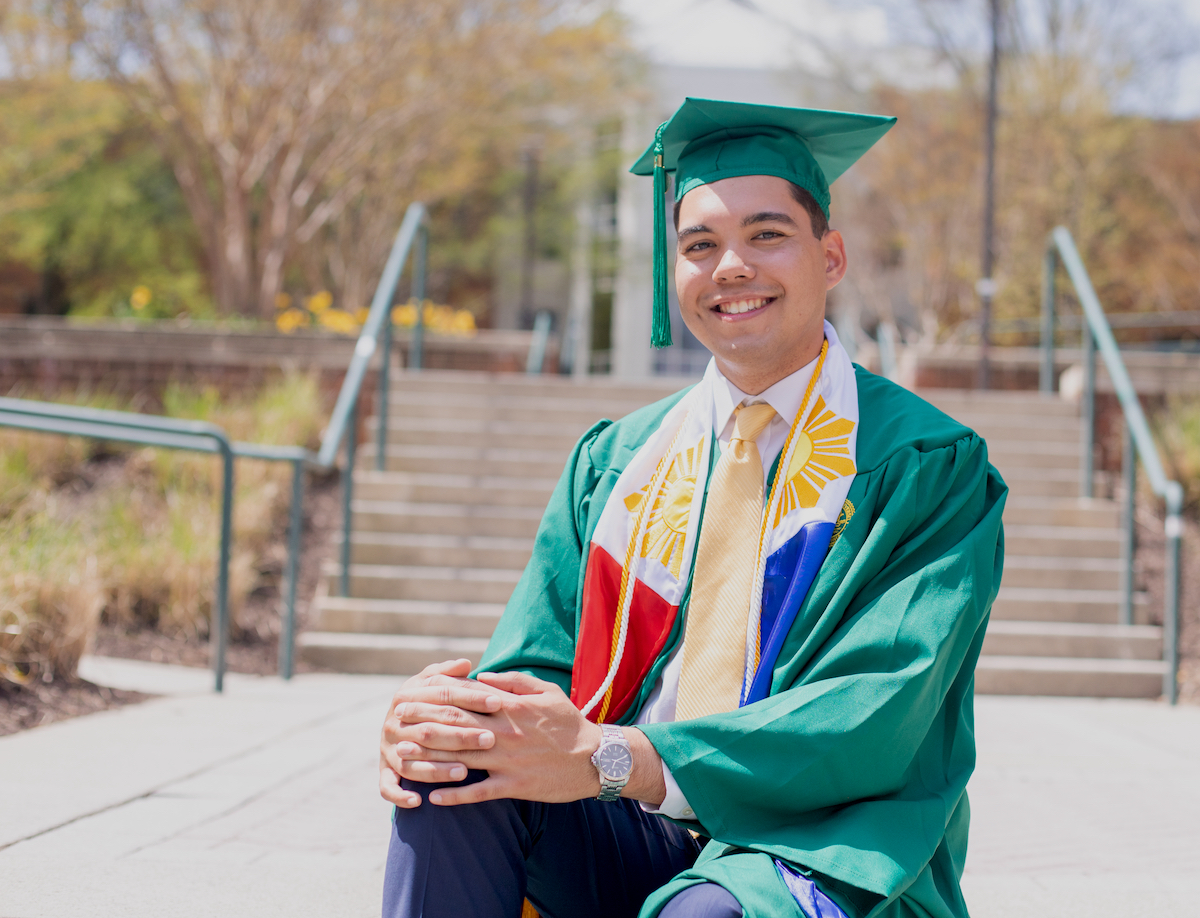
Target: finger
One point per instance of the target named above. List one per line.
(460, 667)
(393, 793)
(409, 751)
(469, 696)
(433, 772)
(440, 736)
(515, 683)
(489, 788)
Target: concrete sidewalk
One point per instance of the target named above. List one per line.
(263, 802)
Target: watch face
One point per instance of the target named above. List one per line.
(614, 761)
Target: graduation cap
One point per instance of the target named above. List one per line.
(707, 140)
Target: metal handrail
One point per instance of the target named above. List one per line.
(127, 427)
(196, 436)
(416, 218)
(1140, 444)
(414, 230)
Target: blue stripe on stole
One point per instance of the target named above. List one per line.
(789, 574)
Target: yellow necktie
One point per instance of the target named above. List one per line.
(714, 638)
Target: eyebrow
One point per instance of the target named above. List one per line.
(768, 216)
(692, 231)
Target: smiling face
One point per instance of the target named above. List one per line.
(752, 277)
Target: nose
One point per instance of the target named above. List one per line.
(732, 267)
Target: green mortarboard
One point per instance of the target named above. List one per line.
(706, 141)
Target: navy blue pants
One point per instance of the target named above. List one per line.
(572, 860)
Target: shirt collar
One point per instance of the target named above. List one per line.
(784, 396)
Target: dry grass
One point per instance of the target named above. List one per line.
(133, 535)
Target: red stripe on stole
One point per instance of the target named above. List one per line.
(650, 621)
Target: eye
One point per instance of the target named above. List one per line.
(769, 234)
(699, 246)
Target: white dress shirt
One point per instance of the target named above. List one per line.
(785, 397)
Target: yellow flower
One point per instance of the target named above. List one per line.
(339, 321)
(291, 319)
(361, 314)
(405, 316)
(319, 302)
(140, 298)
(283, 300)
(464, 322)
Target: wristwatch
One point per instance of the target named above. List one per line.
(614, 761)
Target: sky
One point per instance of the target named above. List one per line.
(725, 33)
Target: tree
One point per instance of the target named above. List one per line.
(290, 124)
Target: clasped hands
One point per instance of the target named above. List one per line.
(524, 732)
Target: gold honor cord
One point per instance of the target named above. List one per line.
(784, 458)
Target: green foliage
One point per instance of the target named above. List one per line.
(88, 202)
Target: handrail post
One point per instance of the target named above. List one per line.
(1088, 435)
(384, 385)
(417, 349)
(287, 634)
(1128, 545)
(1046, 376)
(219, 634)
(348, 498)
(1173, 529)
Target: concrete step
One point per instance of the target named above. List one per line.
(439, 584)
(1007, 455)
(445, 519)
(1057, 483)
(400, 654)
(468, 460)
(1008, 435)
(1021, 404)
(1024, 510)
(1030, 604)
(442, 382)
(359, 615)
(538, 435)
(1061, 573)
(1062, 541)
(510, 408)
(1096, 678)
(426, 549)
(431, 488)
(1073, 639)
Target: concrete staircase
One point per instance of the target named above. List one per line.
(440, 537)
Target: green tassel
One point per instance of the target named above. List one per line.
(660, 329)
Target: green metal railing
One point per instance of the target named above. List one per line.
(194, 436)
(199, 436)
(1139, 444)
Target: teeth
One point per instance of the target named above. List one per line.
(739, 306)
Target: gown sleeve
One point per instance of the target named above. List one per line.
(857, 762)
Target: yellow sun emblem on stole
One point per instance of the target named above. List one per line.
(822, 454)
(666, 529)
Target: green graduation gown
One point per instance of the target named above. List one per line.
(854, 769)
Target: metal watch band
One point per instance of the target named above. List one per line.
(610, 790)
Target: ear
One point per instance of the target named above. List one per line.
(835, 258)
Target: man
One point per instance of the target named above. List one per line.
(736, 676)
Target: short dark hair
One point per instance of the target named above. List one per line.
(816, 216)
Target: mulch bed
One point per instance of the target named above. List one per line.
(255, 650)
(22, 707)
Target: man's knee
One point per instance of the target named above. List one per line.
(704, 900)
